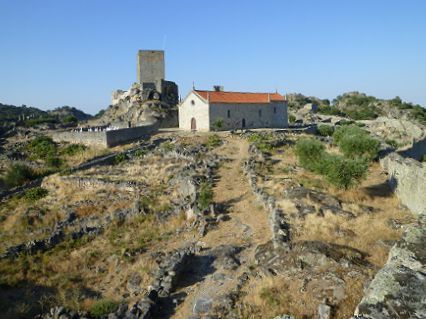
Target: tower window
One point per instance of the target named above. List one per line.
(192, 102)
(260, 113)
(275, 110)
(229, 114)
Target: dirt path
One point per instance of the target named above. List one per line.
(246, 227)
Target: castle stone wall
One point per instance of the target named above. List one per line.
(126, 135)
(105, 138)
(87, 138)
(151, 67)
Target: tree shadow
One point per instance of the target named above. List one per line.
(26, 299)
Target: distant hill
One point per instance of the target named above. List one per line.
(65, 111)
(360, 106)
(12, 113)
(30, 116)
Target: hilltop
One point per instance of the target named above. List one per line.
(288, 223)
(30, 116)
(360, 106)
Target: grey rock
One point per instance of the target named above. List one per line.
(202, 305)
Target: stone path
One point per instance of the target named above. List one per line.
(230, 247)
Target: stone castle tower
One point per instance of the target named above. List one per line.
(151, 69)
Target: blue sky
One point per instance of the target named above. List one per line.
(76, 52)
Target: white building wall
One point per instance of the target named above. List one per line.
(272, 115)
(194, 107)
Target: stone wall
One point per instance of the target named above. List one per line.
(105, 138)
(87, 138)
(408, 179)
(125, 135)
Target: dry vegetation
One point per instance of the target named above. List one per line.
(378, 222)
(77, 272)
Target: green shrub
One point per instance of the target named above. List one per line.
(139, 153)
(36, 193)
(167, 146)
(392, 143)
(213, 141)
(119, 158)
(73, 149)
(309, 152)
(69, 119)
(339, 171)
(343, 172)
(205, 197)
(362, 113)
(218, 124)
(42, 147)
(424, 158)
(18, 174)
(330, 110)
(356, 142)
(325, 130)
(103, 307)
(291, 118)
(262, 141)
(54, 161)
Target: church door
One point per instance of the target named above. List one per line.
(193, 124)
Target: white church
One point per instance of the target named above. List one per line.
(219, 110)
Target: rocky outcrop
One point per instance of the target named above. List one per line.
(399, 288)
(137, 107)
(408, 179)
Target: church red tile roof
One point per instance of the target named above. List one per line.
(239, 97)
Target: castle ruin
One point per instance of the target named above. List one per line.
(149, 104)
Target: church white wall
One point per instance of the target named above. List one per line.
(273, 115)
(194, 107)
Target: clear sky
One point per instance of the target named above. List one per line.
(76, 52)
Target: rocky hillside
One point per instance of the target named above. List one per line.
(132, 107)
(359, 106)
(11, 115)
(201, 226)
(68, 111)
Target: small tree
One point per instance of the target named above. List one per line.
(325, 130)
(18, 174)
(356, 142)
(309, 152)
(344, 173)
(218, 124)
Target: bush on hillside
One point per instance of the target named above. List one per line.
(356, 142)
(119, 158)
(34, 194)
(309, 152)
(74, 149)
(325, 130)
(205, 197)
(103, 307)
(70, 119)
(331, 110)
(213, 141)
(343, 172)
(42, 147)
(19, 174)
(339, 171)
